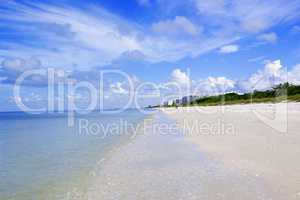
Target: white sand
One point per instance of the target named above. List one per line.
(261, 140)
(251, 160)
(162, 164)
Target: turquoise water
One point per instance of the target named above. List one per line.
(42, 158)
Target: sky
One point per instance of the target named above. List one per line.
(204, 46)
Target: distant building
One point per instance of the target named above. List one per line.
(168, 103)
(177, 101)
(189, 99)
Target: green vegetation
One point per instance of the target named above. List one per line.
(278, 93)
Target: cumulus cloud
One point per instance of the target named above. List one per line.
(13, 68)
(186, 86)
(220, 82)
(273, 68)
(178, 26)
(268, 37)
(180, 77)
(272, 74)
(214, 85)
(229, 49)
(118, 88)
(294, 75)
(20, 65)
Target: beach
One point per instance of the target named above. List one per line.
(211, 153)
(255, 161)
(161, 164)
(259, 140)
(150, 100)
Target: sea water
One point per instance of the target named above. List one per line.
(41, 157)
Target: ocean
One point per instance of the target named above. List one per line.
(41, 157)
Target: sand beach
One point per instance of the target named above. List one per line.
(247, 158)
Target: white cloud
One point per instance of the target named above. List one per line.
(20, 65)
(187, 86)
(273, 68)
(207, 7)
(117, 88)
(180, 25)
(144, 2)
(2, 79)
(86, 36)
(214, 85)
(295, 30)
(248, 15)
(12, 68)
(180, 77)
(229, 49)
(268, 37)
(272, 74)
(256, 59)
(220, 81)
(294, 75)
(70, 36)
(90, 36)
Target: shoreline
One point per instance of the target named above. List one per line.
(156, 165)
(121, 144)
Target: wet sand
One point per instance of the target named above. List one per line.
(162, 164)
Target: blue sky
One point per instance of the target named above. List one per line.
(214, 45)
